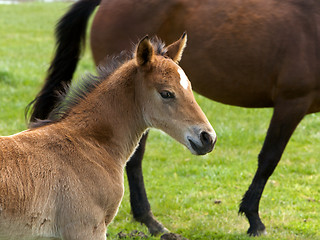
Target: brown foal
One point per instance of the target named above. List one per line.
(63, 178)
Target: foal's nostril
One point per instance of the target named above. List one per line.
(206, 138)
(205, 145)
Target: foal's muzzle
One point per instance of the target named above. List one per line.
(203, 144)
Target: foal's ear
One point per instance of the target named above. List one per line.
(175, 50)
(144, 52)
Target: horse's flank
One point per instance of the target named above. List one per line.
(245, 45)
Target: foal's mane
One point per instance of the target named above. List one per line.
(79, 90)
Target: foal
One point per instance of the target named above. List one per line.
(63, 178)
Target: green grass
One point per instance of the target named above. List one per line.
(181, 187)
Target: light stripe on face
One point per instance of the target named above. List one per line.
(183, 78)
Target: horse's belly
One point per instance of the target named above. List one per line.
(237, 98)
(232, 91)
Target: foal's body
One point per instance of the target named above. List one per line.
(64, 177)
(248, 53)
(54, 182)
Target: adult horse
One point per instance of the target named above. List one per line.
(248, 53)
(63, 178)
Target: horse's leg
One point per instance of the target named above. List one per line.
(138, 198)
(83, 231)
(286, 116)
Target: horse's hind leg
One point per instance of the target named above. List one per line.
(287, 115)
(138, 198)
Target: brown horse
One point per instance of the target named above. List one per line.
(249, 53)
(63, 178)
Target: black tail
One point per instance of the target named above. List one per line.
(70, 40)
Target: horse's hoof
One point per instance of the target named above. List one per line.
(154, 226)
(255, 232)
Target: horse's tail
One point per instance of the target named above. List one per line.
(70, 41)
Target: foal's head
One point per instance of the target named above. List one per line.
(167, 100)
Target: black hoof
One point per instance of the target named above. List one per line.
(154, 226)
(257, 230)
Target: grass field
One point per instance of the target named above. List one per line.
(182, 188)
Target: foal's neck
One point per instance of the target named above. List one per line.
(110, 115)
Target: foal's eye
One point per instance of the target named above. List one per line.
(166, 94)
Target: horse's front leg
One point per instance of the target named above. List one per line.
(81, 228)
(286, 116)
(140, 205)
